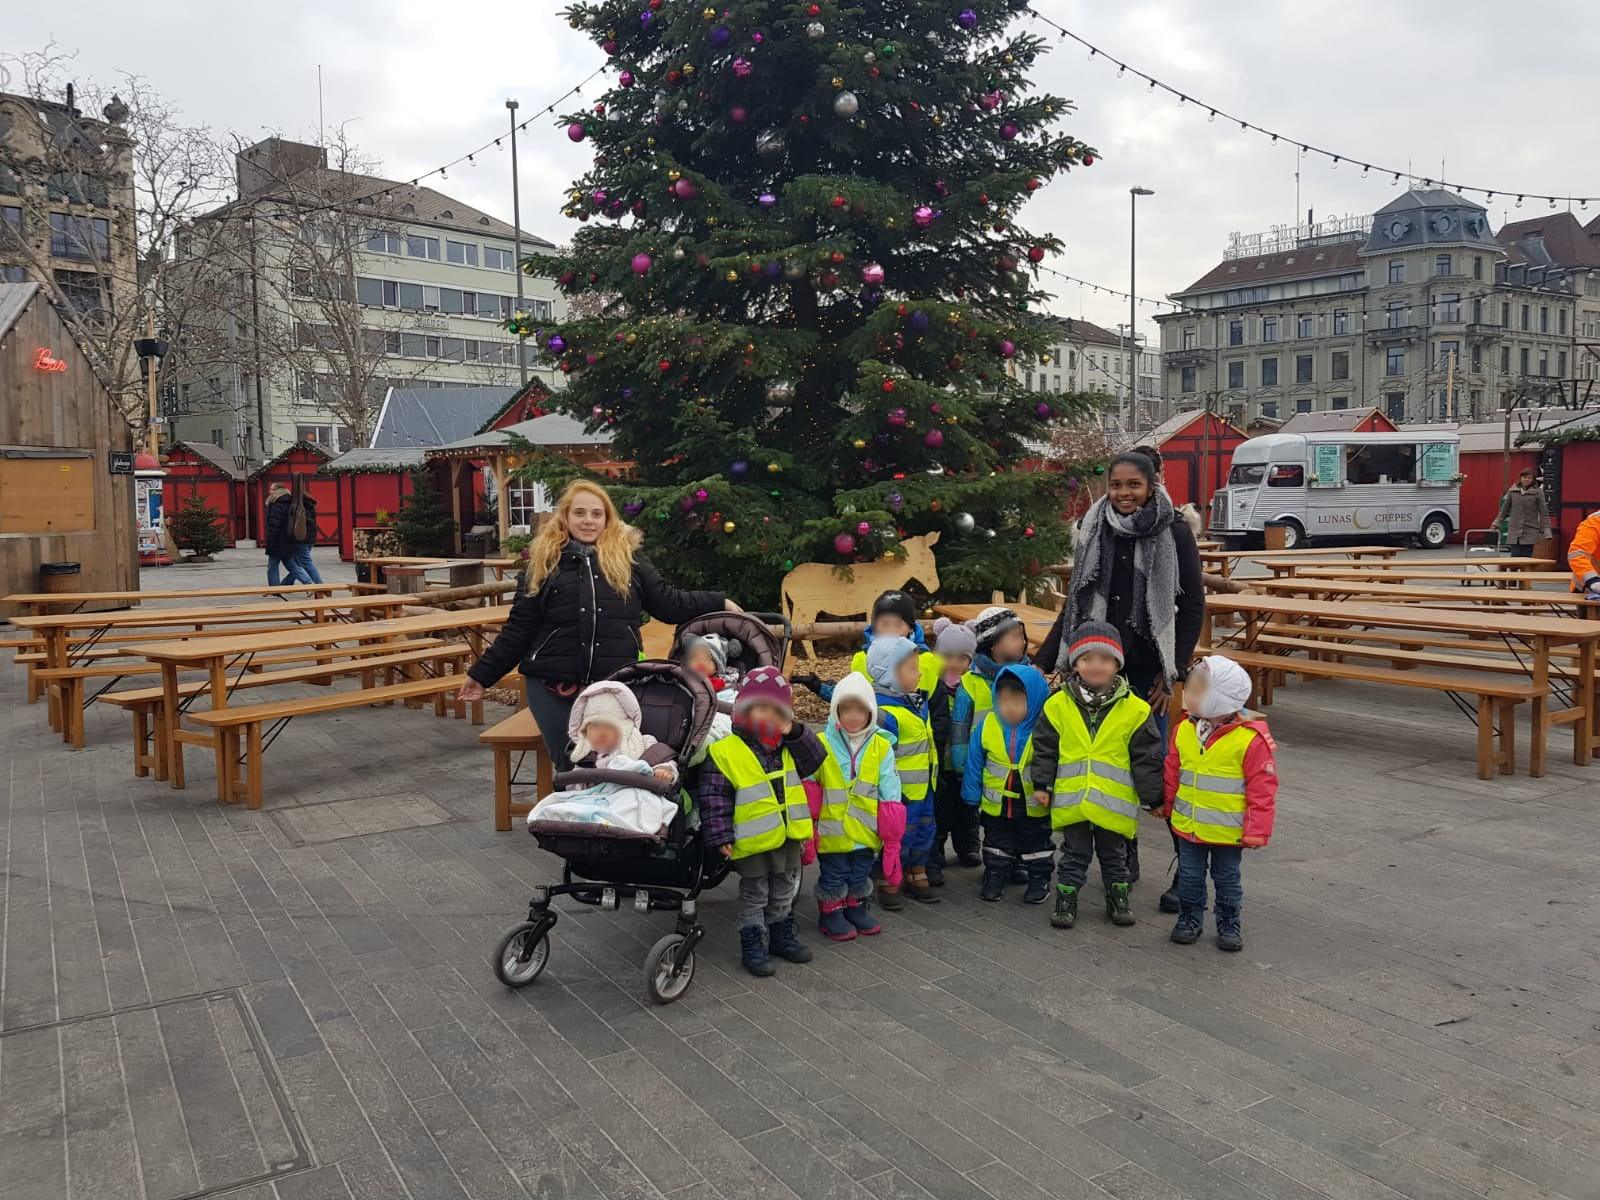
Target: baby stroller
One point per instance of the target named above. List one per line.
(758, 645)
(667, 875)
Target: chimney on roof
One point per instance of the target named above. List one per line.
(258, 167)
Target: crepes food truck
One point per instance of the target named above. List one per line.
(1360, 487)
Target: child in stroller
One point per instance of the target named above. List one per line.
(665, 873)
(725, 647)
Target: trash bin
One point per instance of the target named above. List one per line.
(59, 577)
(1275, 535)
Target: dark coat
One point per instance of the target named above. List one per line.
(576, 629)
(280, 542)
(1142, 661)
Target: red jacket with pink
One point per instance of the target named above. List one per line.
(1260, 779)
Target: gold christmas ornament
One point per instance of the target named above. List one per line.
(837, 81)
(650, 141)
(860, 443)
(688, 70)
(1045, 359)
(1008, 60)
(888, 223)
(732, 276)
(774, 468)
(674, 174)
(728, 527)
(631, 338)
(708, 13)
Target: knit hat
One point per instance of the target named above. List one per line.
(992, 623)
(1100, 636)
(897, 603)
(957, 640)
(606, 703)
(766, 685)
(720, 648)
(884, 657)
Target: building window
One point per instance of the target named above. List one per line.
(422, 247)
(383, 243)
(81, 290)
(1449, 306)
(1269, 408)
(1340, 364)
(1380, 462)
(13, 275)
(1188, 339)
(1505, 358)
(1186, 379)
(1303, 404)
(1527, 317)
(1394, 405)
(1397, 315)
(1269, 372)
(1235, 333)
(498, 259)
(1236, 374)
(1544, 362)
(1340, 402)
(1441, 265)
(1561, 364)
(10, 224)
(1396, 364)
(1544, 318)
(1477, 358)
(86, 239)
(1561, 321)
(1477, 266)
(522, 503)
(1397, 270)
(1477, 312)
(1305, 327)
(1304, 368)
(1477, 402)
(78, 187)
(369, 291)
(1269, 329)
(1505, 315)
(1341, 322)
(1522, 360)
(1449, 352)
(462, 253)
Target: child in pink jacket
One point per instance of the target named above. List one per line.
(1221, 795)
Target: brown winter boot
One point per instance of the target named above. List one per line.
(889, 897)
(918, 887)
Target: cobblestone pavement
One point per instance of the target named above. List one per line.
(296, 1003)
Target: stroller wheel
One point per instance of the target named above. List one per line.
(522, 954)
(659, 980)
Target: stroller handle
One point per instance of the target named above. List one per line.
(782, 621)
(589, 776)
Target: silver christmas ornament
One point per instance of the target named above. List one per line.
(679, 254)
(869, 58)
(780, 391)
(770, 143)
(965, 522)
(845, 104)
(815, 30)
(988, 533)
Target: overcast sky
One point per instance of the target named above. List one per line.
(1505, 97)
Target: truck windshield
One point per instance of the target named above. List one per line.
(1247, 473)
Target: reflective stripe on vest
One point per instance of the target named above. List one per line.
(1094, 776)
(1210, 803)
(761, 821)
(914, 755)
(998, 766)
(849, 816)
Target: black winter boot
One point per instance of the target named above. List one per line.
(936, 869)
(1187, 931)
(1019, 873)
(1169, 898)
(1066, 913)
(753, 951)
(970, 858)
(780, 935)
(995, 876)
(1229, 935)
(1117, 910)
(1038, 890)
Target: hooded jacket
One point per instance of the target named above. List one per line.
(634, 742)
(1037, 689)
(1146, 749)
(845, 756)
(1260, 777)
(576, 629)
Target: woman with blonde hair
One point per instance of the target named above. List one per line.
(578, 620)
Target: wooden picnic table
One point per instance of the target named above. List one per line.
(1487, 566)
(57, 628)
(39, 603)
(218, 656)
(1511, 579)
(1478, 597)
(1535, 634)
(498, 565)
(1226, 560)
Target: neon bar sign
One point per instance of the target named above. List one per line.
(43, 360)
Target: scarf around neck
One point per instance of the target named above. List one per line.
(1155, 569)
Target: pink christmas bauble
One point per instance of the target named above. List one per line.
(863, 527)
(872, 275)
(933, 439)
(844, 544)
(641, 264)
(575, 131)
(1009, 131)
(1008, 348)
(684, 189)
(922, 217)
(897, 417)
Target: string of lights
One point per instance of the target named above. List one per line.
(1305, 148)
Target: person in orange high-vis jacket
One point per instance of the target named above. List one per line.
(1583, 557)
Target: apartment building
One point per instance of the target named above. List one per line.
(1086, 357)
(349, 284)
(66, 204)
(1421, 311)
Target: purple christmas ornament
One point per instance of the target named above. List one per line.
(766, 199)
(742, 67)
(632, 508)
(556, 344)
(720, 36)
(1042, 411)
(967, 19)
(919, 322)
(626, 79)
(641, 264)
(575, 131)
(933, 439)
(1009, 131)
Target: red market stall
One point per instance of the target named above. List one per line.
(303, 458)
(372, 485)
(1340, 420)
(1570, 471)
(207, 469)
(1196, 449)
(1487, 472)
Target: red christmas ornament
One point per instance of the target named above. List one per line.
(1027, 531)
(836, 257)
(812, 10)
(1088, 160)
(1035, 253)
(983, 198)
(664, 365)
(674, 75)
(1006, 263)
(839, 201)
(1032, 185)
(899, 310)
(888, 385)
(829, 280)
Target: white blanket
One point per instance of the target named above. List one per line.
(606, 809)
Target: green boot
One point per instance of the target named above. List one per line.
(1066, 913)
(1117, 910)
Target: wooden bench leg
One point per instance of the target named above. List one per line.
(477, 712)
(228, 767)
(1486, 763)
(253, 753)
(52, 697)
(1540, 726)
(545, 772)
(502, 788)
(141, 738)
(1508, 737)
(35, 690)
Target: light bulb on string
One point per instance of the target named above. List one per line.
(1212, 119)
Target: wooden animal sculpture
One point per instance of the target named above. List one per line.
(813, 588)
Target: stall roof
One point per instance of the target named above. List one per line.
(14, 297)
(387, 458)
(423, 418)
(554, 429)
(1176, 424)
(1335, 420)
(217, 457)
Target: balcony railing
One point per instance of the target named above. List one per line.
(1390, 334)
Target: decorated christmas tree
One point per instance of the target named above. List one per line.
(803, 219)
(197, 528)
(423, 523)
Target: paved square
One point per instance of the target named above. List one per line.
(296, 1004)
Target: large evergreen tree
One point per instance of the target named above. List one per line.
(804, 219)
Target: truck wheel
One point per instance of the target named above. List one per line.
(1434, 532)
(1294, 538)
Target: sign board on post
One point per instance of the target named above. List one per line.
(120, 462)
(1438, 462)
(1327, 464)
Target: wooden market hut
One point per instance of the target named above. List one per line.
(1196, 450)
(308, 459)
(1340, 420)
(219, 479)
(372, 485)
(66, 457)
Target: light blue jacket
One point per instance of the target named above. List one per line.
(839, 750)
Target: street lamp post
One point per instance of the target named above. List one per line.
(1133, 342)
(516, 239)
(151, 349)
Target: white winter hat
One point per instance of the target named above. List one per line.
(854, 686)
(605, 703)
(1226, 688)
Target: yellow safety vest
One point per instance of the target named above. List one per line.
(1210, 805)
(850, 808)
(981, 691)
(915, 756)
(761, 820)
(998, 766)
(928, 665)
(1094, 776)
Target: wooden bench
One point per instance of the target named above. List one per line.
(240, 776)
(141, 703)
(1496, 698)
(517, 734)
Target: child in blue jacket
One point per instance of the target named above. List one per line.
(903, 712)
(1016, 829)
